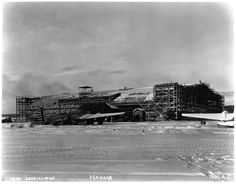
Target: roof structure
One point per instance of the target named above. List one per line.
(136, 95)
(85, 87)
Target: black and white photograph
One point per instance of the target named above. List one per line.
(117, 91)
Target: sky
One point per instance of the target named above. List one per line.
(52, 48)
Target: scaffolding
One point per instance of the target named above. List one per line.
(163, 101)
(167, 100)
(23, 108)
(172, 99)
(200, 98)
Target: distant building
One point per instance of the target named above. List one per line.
(163, 101)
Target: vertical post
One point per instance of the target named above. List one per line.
(41, 108)
(16, 109)
(59, 107)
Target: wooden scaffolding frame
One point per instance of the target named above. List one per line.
(23, 108)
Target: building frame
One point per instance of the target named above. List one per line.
(169, 101)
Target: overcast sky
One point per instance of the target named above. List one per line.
(50, 48)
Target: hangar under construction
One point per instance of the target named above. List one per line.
(162, 101)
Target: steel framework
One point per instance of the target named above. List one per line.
(23, 108)
(169, 101)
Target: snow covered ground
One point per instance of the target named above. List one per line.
(127, 151)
